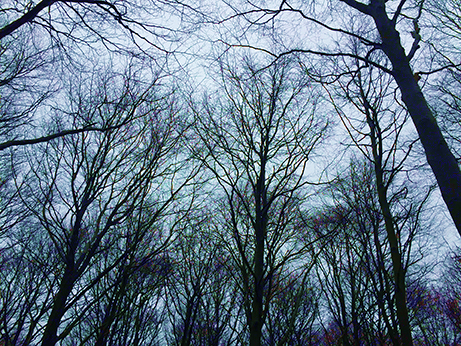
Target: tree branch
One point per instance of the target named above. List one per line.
(358, 6)
(310, 51)
(398, 11)
(30, 15)
(328, 27)
(414, 48)
(14, 143)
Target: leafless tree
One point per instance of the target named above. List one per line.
(379, 133)
(355, 267)
(199, 294)
(257, 143)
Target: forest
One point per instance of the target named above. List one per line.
(257, 172)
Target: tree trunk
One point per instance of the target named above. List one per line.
(383, 287)
(111, 310)
(398, 271)
(256, 323)
(50, 336)
(396, 257)
(257, 304)
(67, 283)
(440, 159)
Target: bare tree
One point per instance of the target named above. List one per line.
(355, 267)
(257, 143)
(126, 306)
(379, 134)
(199, 294)
(431, 310)
(292, 317)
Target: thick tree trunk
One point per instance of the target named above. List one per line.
(439, 156)
(257, 304)
(50, 335)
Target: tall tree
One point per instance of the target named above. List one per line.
(379, 133)
(199, 294)
(257, 143)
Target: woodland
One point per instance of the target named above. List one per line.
(199, 173)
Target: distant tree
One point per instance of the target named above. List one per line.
(199, 295)
(452, 288)
(355, 265)
(293, 313)
(429, 312)
(436, 308)
(127, 305)
(27, 81)
(27, 270)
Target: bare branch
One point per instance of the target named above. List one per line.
(398, 11)
(330, 28)
(358, 6)
(30, 15)
(310, 51)
(14, 143)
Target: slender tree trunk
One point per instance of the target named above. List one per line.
(440, 159)
(260, 233)
(383, 287)
(398, 271)
(67, 283)
(396, 258)
(111, 311)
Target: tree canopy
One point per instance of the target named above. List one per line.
(249, 173)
